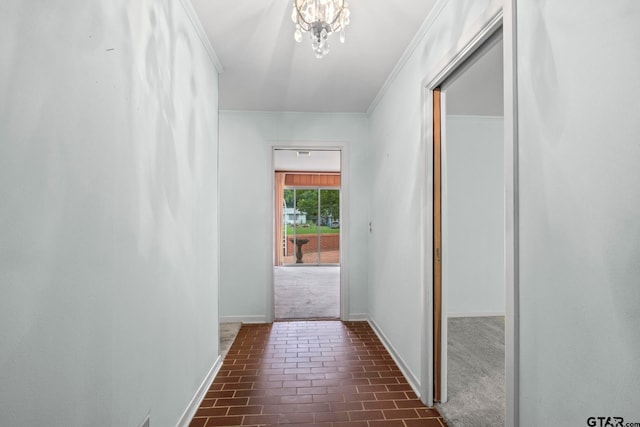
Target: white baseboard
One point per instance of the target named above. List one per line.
(358, 317)
(243, 319)
(477, 314)
(411, 378)
(193, 406)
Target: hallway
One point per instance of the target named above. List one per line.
(331, 374)
(138, 187)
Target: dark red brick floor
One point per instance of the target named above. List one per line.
(330, 374)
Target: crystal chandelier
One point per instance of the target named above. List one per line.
(320, 18)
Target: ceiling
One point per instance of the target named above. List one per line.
(306, 161)
(266, 70)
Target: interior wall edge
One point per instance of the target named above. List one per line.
(411, 378)
(200, 394)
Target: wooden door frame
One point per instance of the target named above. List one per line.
(438, 317)
(504, 19)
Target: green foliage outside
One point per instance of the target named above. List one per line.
(307, 202)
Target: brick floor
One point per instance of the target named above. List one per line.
(330, 374)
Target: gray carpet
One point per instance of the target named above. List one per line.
(307, 292)
(228, 332)
(476, 387)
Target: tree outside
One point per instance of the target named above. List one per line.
(307, 202)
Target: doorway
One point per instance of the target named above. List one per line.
(307, 237)
(468, 239)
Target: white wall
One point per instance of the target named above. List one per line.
(579, 98)
(108, 185)
(398, 170)
(246, 201)
(473, 227)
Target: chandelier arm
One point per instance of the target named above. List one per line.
(304, 26)
(338, 15)
(335, 20)
(300, 17)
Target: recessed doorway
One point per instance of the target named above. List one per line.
(469, 240)
(307, 237)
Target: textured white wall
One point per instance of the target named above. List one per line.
(579, 98)
(246, 202)
(108, 185)
(473, 245)
(398, 178)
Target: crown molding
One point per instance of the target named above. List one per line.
(197, 25)
(420, 35)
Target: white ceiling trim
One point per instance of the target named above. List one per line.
(202, 35)
(422, 32)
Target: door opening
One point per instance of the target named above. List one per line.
(307, 238)
(468, 238)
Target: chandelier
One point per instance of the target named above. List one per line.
(320, 18)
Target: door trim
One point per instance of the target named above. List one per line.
(341, 146)
(439, 282)
(438, 316)
(505, 18)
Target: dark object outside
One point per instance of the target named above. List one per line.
(299, 243)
